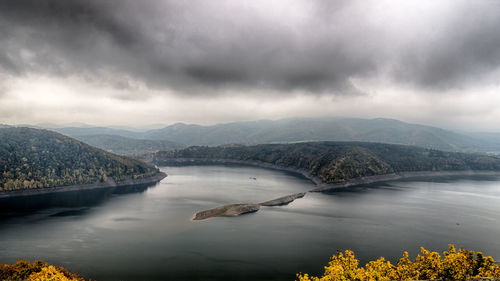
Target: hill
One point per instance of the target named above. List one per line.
(127, 146)
(33, 158)
(85, 131)
(491, 140)
(334, 162)
(293, 130)
(322, 129)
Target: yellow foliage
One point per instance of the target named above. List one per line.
(463, 264)
(380, 269)
(39, 271)
(50, 273)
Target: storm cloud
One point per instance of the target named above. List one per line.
(128, 62)
(198, 46)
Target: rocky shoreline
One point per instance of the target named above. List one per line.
(107, 184)
(323, 187)
(285, 200)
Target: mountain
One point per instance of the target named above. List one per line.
(118, 140)
(320, 129)
(491, 139)
(85, 131)
(340, 161)
(127, 146)
(292, 130)
(34, 158)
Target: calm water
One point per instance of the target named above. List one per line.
(147, 234)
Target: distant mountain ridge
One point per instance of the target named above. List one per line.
(86, 131)
(127, 146)
(294, 130)
(321, 129)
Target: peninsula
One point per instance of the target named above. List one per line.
(34, 161)
(330, 165)
(333, 165)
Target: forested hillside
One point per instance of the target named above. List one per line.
(127, 146)
(34, 158)
(339, 161)
(323, 129)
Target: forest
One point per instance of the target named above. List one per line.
(339, 161)
(34, 158)
(127, 146)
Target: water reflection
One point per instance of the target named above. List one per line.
(70, 199)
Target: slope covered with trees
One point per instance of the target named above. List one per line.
(127, 146)
(323, 129)
(34, 158)
(339, 161)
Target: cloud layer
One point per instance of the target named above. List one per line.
(318, 46)
(252, 49)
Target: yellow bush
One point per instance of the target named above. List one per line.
(39, 271)
(463, 264)
(50, 273)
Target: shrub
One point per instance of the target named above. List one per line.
(462, 264)
(38, 270)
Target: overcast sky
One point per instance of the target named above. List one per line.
(152, 61)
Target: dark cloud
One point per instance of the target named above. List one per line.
(202, 45)
(459, 51)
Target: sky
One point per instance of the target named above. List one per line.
(128, 62)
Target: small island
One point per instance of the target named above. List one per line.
(235, 210)
(232, 210)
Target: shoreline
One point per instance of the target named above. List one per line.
(77, 187)
(400, 176)
(219, 161)
(320, 185)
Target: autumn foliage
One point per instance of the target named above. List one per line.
(37, 271)
(462, 264)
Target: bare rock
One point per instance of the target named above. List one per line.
(285, 200)
(232, 210)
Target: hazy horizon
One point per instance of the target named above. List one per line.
(161, 62)
(147, 127)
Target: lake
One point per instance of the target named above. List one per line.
(146, 233)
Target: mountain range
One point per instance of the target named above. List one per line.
(136, 140)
